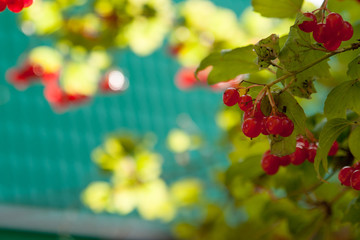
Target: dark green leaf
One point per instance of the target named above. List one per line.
(328, 135)
(353, 211)
(281, 146)
(354, 142)
(285, 101)
(227, 65)
(278, 8)
(354, 68)
(296, 54)
(344, 96)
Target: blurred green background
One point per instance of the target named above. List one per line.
(45, 157)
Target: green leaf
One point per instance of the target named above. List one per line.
(354, 142)
(247, 169)
(354, 68)
(285, 101)
(281, 146)
(342, 97)
(296, 54)
(328, 135)
(278, 8)
(227, 65)
(352, 213)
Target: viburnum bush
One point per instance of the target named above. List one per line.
(306, 186)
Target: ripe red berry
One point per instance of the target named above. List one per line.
(251, 127)
(355, 180)
(301, 139)
(334, 148)
(345, 175)
(28, 3)
(245, 102)
(299, 156)
(347, 31)
(231, 97)
(2, 5)
(263, 126)
(273, 124)
(308, 26)
(270, 163)
(332, 44)
(312, 152)
(15, 5)
(356, 166)
(257, 114)
(334, 25)
(284, 160)
(287, 127)
(320, 33)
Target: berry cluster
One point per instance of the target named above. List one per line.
(350, 176)
(331, 33)
(304, 150)
(15, 5)
(255, 122)
(29, 73)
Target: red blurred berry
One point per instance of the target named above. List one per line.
(334, 25)
(251, 127)
(299, 156)
(334, 148)
(347, 31)
(263, 126)
(356, 166)
(332, 44)
(287, 127)
(270, 164)
(2, 5)
(345, 175)
(231, 97)
(273, 125)
(284, 160)
(312, 152)
(28, 3)
(320, 33)
(355, 180)
(245, 102)
(301, 139)
(15, 5)
(308, 26)
(185, 78)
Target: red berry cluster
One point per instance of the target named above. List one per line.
(255, 122)
(28, 73)
(350, 176)
(331, 33)
(304, 150)
(15, 5)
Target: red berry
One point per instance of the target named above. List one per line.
(257, 114)
(287, 127)
(231, 97)
(308, 26)
(2, 5)
(245, 102)
(347, 31)
(285, 160)
(312, 152)
(15, 5)
(270, 164)
(355, 180)
(263, 126)
(356, 166)
(334, 25)
(28, 3)
(273, 124)
(334, 148)
(320, 33)
(185, 78)
(299, 156)
(345, 175)
(251, 127)
(332, 44)
(301, 139)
